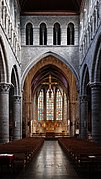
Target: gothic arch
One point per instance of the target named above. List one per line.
(60, 58)
(96, 68)
(50, 67)
(3, 63)
(85, 105)
(84, 80)
(15, 80)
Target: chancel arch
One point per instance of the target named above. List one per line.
(50, 99)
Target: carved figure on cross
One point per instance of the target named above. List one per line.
(50, 83)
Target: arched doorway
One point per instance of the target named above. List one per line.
(50, 99)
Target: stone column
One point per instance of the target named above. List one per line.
(83, 116)
(96, 111)
(72, 118)
(17, 117)
(4, 112)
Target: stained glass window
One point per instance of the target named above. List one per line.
(50, 105)
(58, 105)
(41, 105)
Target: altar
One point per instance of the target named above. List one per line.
(50, 134)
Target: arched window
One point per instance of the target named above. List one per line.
(43, 34)
(29, 34)
(56, 34)
(58, 105)
(41, 105)
(50, 105)
(70, 34)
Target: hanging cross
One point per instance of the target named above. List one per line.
(50, 83)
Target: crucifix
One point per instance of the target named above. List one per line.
(50, 83)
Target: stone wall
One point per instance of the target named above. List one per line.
(68, 53)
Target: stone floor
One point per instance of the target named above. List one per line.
(50, 163)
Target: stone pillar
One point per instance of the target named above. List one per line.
(96, 111)
(4, 112)
(83, 116)
(17, 117)
(72, 118)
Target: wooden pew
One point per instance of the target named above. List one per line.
(23, 150)
(84, 155)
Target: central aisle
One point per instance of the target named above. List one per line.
(50, 163)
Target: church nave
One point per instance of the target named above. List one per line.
(50, 163)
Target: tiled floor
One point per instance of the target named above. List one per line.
(50, 163)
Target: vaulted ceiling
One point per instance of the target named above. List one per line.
(66, 6)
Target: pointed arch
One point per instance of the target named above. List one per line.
(44, 56)
(3, 63)
(86, 93)
(96, 67)
(84, 80)
(15, 80)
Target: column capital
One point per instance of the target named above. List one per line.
(5, 87)
(95, 84)
(83, 98)
(17, 98)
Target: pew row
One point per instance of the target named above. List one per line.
(84, 155)
(20, 152)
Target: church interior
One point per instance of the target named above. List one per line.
(50, 87)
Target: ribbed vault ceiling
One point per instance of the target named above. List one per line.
(42, 76)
